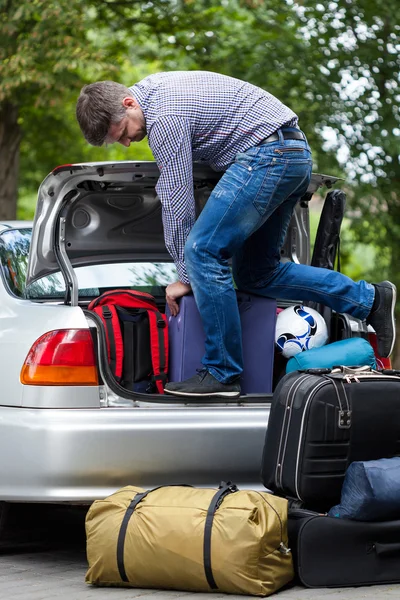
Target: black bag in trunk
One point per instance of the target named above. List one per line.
(327, 245)
(330, 552)
(137, 365)
(320, 422)
(327, 239)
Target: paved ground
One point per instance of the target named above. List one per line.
(42, 557)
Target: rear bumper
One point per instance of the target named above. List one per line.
(70, 455)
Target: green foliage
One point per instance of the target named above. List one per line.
(258, 41)
(45, 51)
(52, 137)
(361, 42)
(48, 50)
(336, 63)
(357, 260)
(42, 45)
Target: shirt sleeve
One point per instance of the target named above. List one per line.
(171, 144)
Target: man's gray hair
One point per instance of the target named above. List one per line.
(99, 105)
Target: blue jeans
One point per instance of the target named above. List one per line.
(246, 219)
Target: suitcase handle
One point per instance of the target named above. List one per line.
(355, 370)
(340, 370)
(386, 549)
(317, 371)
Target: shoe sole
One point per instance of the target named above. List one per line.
(394, 296)
(192, 394)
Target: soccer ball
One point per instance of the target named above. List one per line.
(299, 328)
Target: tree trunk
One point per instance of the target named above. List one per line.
(10, 138)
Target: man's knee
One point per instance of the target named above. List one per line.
(197, 251)
(190, 251)
(196, 255)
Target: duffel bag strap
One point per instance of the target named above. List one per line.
(122, 533)
(225, 489)
(124, 526)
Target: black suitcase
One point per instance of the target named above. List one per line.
(330, 552)
(320, 422)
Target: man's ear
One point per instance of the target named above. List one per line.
(129, 102)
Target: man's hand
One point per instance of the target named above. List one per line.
(173, 292)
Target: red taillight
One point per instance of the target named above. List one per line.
(61, 357)
(381, 363)
(68, 167)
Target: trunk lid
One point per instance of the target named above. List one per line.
(96, 213)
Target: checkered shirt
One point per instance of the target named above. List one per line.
(200, 116)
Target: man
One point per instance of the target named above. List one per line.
(248, 133)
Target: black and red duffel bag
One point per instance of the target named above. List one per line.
(137, 338)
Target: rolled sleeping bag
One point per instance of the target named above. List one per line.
(352, 352)
(371, 491)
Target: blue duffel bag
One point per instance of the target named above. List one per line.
(371, 491)
(351, 352)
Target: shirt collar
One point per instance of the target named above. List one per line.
(140, 96)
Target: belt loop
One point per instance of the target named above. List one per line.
(281, 138)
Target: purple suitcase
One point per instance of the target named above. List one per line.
(186, 341)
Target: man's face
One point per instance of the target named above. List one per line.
(132, 128)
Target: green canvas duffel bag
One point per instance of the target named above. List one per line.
(185, 538)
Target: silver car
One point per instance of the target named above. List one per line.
(67, 433)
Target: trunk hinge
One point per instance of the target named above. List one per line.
(67, 270)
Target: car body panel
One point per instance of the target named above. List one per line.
(81, 455)
(39, 396)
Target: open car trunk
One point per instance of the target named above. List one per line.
(109, 213)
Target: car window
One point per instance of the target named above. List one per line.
(93, 280)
